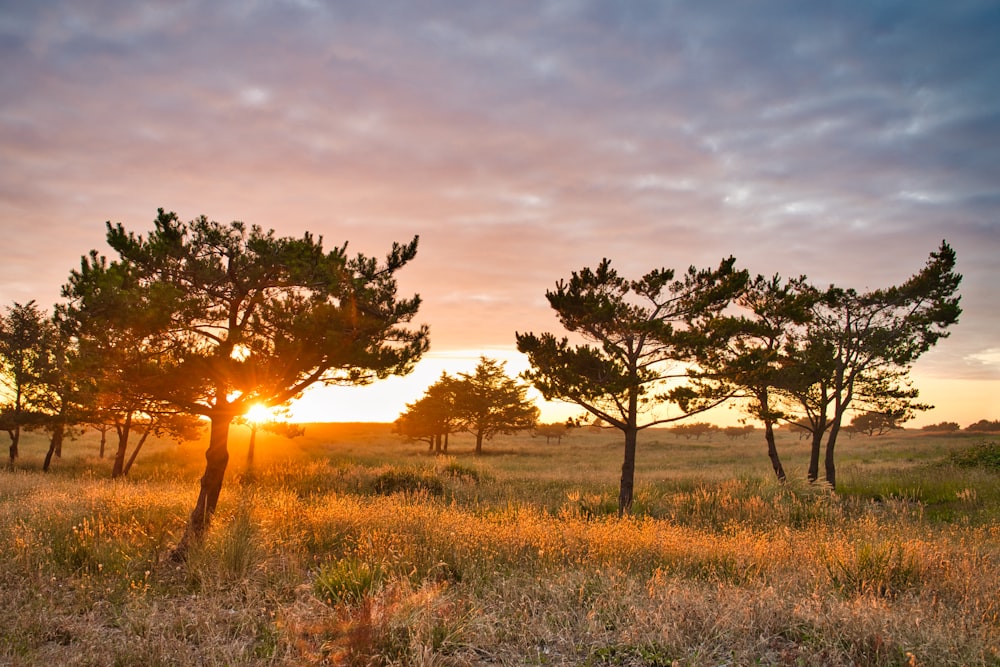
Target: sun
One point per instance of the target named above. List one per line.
(259, 413)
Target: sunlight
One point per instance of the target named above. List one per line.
(385, 400)
(259, 414)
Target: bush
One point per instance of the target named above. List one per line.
(407, 481)
(981, 455)
(347, 581)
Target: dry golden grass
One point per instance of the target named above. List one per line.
(350, 547)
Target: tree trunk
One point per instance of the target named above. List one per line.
(253, 444)
(135, 453)
(123, 434)
(831, 468)
(628, 473)
(104, 441)
(216, 460)
(55, 445)
(15, 437)
(817, 443)
(479, 443)
(772, 451)
(445, 450)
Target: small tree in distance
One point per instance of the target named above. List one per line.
(432, 417)
(488, 402)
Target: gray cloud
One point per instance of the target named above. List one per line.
(522, 140)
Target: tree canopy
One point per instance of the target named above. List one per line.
(232, 316)
(636, 337)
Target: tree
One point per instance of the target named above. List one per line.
(984, 426)
(123, 354)
(556, 430)
(859, 347)
(270, 421)
(943, 427)
(748, 350)
(432, 417)
(636, 336)
(694, 430)
(487, 402)
(241, 317)
(22, 355)
(876, 423)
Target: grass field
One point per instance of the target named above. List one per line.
(349, 546)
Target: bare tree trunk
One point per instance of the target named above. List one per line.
(831, 443)
(135, 453)
(216, 460)
(816, 446)
(104, 440)
(123, 434)
(15, 437)
(55, 445)
(252, 445)
(772, 451)
(479, 443)
(628, 473)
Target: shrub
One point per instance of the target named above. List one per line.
(348, 580)
(407, 481)
(981, 455)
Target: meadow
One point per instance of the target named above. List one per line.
(349, 546)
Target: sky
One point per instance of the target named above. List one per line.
(521, 140)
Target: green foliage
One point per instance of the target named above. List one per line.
(985, 454)
(883, 569)
(347, 581)
(407, 481)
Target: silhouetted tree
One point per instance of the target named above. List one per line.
(748, 349)
(694, 430)
(277, 423)
(557, 430)
(634, 345)
(241, 317)
(875, 423)
(488, 402)
(432, 417)
(22, 358)
(859, 347)
(984, 426)
(943, 427)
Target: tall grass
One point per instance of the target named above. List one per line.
(394, 557)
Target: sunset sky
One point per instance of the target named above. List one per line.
(521, 141)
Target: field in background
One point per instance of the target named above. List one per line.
(350, 546)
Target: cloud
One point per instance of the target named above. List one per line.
(520, 140)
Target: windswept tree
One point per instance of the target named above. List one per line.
(244, 317)
(748, 350)
(22, 360)
(637, 336)
(488, 402)
(859, 348)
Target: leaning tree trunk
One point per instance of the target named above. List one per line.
(55, 445)
(817, 443)
(831, 443)
(216, 460)
(772, 451)
(252, 445)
